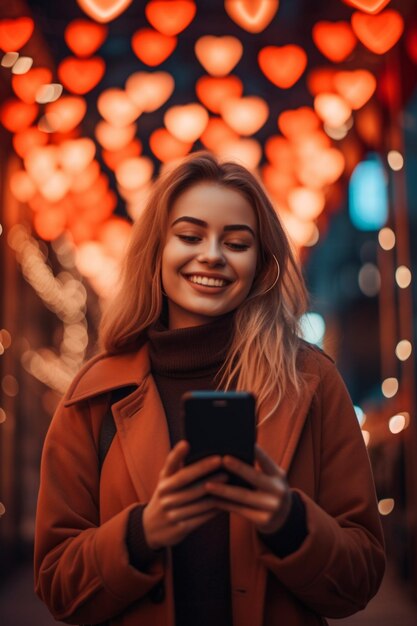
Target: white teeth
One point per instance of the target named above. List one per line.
(210, 282)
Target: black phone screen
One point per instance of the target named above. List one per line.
(219, 422)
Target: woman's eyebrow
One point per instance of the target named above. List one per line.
(194, 220)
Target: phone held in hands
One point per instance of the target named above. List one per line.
(220, 422)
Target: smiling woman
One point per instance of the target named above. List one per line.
(210, 298)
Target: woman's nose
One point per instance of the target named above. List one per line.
(212, 253)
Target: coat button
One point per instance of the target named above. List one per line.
(157, 594)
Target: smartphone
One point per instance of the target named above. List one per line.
(220, 422)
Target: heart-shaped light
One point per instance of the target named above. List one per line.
(76, 155)
(324, 168)
(170, 17)
(27, 139)
(279, 152)
(117, 108)
(134, 173)
(335, 40)
(22, 186)
(368, 6)
(49, 224)
(166, 147)
(297, 122)
(186, 122)
(16, 115)
(332, 109)
(213, 92)
(218, 55)
(66, 113)
(277, 181)
(104, 10)
(114, 137)
(320, 79)
(355, 87)
(151, 47)
(84, 37)
(252, 15)
(379, 33)
(306, 204)
(26, 85)
(41, 163)
(283, 65)
(245, 115)
(56, 186)
(85, 179)
(81, 75)
(216, 133)
(113, 158)
(15, 33)
(150, 90)
(247, 152)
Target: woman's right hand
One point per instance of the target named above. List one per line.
(178, 505)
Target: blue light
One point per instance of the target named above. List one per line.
(313, 328)
(368, 197)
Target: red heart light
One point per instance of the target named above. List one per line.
(247, 152)
(16, 115)
(218, 55)
(284, 65)
(166, 147)
(213, 92)
(320, 79)
(151, 47)
(66, 113)
(81, 75)
(114, 137)
(368, 6)
(380, 32)
(216, 133)
(15, 33)
(252, 15)
(332, 109)
(104, 10)
(186, 122)
(245, 115)
(113, 158)
(27, 139)
(335, 40)
(84, 37)
(170, 17)
(149, 90)
(298, 122)
(356, 87)
(26, 85)
(117, 108)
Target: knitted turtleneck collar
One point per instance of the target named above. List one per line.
(190, 352)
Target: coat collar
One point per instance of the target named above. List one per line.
(106, 372)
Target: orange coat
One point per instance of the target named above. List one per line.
(82, 570)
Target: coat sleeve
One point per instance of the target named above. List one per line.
(82, 569)
(340, 564)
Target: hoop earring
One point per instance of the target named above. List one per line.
(276, 278)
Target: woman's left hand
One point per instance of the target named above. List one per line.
(268, 504)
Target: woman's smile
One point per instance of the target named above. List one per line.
(210, 254)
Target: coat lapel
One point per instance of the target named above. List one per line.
(279, 434)
(143, 433)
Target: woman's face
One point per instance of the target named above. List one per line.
(210, 254)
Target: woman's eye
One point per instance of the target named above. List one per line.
(189, 238)
(239, 247)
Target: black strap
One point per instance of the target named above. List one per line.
(108, 427)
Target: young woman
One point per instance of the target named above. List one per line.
(210, 297)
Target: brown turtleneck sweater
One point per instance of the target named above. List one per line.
(183, 360)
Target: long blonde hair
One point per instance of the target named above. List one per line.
(262, 357)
